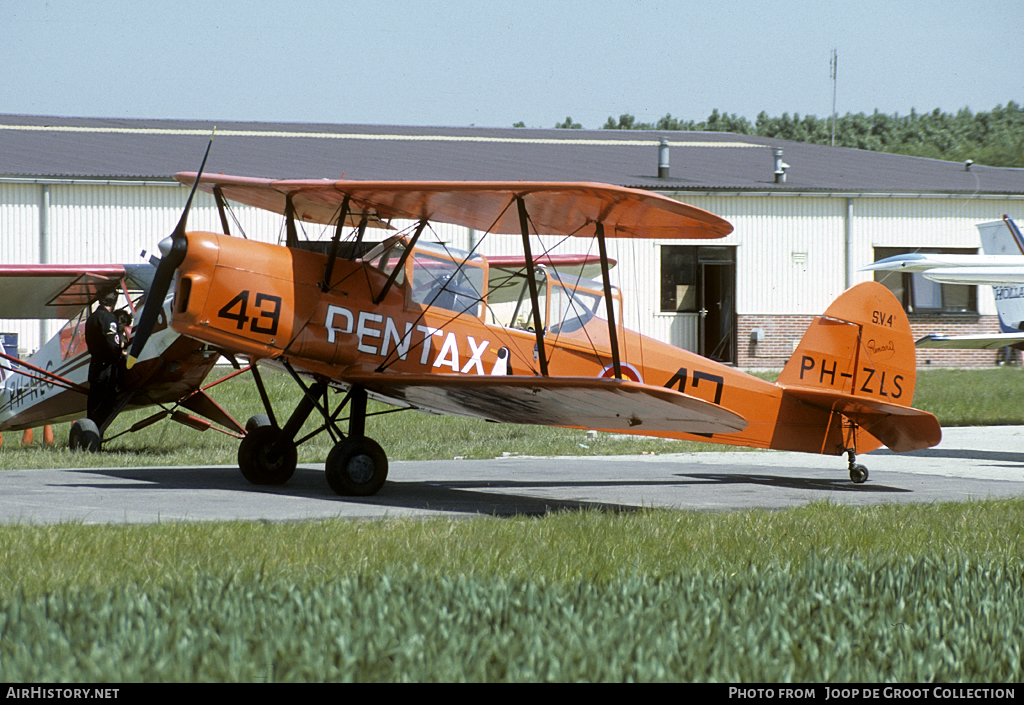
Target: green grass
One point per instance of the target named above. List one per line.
(564, 547)
(956, 397)
(990, 397)
(822, 593)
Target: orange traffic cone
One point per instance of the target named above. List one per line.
(48, 435)
(1, 440)
(26, 438)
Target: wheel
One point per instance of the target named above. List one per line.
(256, 463)
(858, 473)
(257, 421)
(85, 435)
(357, 467)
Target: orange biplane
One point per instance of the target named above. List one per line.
(424, 326)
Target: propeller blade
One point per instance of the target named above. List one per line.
(169, 263)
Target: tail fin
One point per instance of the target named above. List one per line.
(858, 360)
(1003, 237)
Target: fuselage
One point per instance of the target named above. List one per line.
(268, 302)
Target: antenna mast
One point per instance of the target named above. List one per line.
(834, 70)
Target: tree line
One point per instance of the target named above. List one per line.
(994, 138)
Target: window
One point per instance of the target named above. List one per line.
(684, 275)
(678, 278)
(920, 295)
(438, 281)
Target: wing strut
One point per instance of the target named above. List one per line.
(401, 262)
(292, 236)
(326, 284)
(537, 323)
(222, 208)
(609, 303)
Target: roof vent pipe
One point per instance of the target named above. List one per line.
(780, 166)
(663, 159)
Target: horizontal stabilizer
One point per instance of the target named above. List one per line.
(592, 403)
(901, 428)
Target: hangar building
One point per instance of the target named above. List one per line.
(806, 217)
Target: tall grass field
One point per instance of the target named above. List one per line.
(818, 594)
(823, 593)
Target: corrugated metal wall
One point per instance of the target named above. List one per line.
(103, 224)
(790, 250)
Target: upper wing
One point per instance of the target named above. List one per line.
(53, 290)
(594, 403)
(554, 208)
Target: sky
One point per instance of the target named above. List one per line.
(492, 64)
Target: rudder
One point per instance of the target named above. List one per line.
(858, 359)
(862, 345)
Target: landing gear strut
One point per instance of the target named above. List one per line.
(858, 473)
(356, 466)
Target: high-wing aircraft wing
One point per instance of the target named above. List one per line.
(605, 404)
(48, 291)
(977, 275)
(978, 341)
(927, 262)
(555, 208)
(1002, 267)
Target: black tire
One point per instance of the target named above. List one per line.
(357, 467)
(859, 474)
(85, 435)
(257, 421)
(254, 457)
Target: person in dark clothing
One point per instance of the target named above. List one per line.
(104, 338)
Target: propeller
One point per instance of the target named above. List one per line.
(172, 251)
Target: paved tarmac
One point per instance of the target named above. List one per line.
(970, 463)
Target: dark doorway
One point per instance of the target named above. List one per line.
(717, 308)
(702, 280)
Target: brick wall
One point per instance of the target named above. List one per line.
(782, 333)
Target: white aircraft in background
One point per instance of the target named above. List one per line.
(1002, 267)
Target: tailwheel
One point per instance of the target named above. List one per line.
(85, 435)
(266, 456)
(357, 467)
(858, 473)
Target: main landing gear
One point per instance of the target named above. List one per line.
(356, 466)
(85, 435)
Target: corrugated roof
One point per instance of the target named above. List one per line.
(96, 148)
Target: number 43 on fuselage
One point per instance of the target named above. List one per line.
(520, 339)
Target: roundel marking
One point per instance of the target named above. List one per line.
(628, 372)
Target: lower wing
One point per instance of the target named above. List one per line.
(580, 402)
